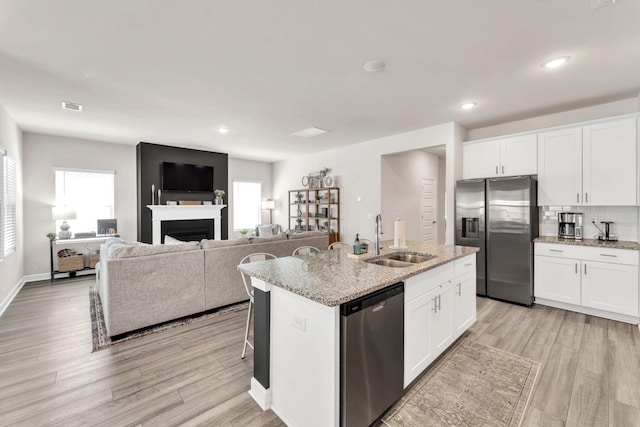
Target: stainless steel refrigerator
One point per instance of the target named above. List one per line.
(500, 217)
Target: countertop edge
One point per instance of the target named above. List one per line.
(620, 244)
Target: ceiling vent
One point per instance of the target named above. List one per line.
(309, 132)
(597, 4)
(71, 106)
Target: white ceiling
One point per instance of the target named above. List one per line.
(172, 72)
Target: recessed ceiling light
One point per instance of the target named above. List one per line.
(374, 66)
(309, 132)
(556, 62)
(72, 106)
(223, 129)
(468, 105)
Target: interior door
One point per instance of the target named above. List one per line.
(427, 210)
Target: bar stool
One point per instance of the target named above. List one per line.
(304, 250)
(246, 280)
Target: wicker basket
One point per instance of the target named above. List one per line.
(71, 263)
(93, 260)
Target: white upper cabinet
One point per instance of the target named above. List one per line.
(560, 167)
(480, 159)
(519, 155)
(609, 164)
(594, 165)
(509, 156)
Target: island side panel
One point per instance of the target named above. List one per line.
(262, 337)
(305, 360)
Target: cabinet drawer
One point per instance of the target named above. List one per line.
(614, 256)
(424, 282)
(557, 250)
(589, 253)
(465, 265)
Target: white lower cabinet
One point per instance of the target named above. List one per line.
(438, 309)
(597, 281)
(610, 287)
(464, 295)
(557, 279)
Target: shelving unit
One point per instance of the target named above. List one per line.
(316, 209)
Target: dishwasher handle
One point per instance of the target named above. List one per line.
(375, 299)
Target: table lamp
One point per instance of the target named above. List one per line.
(269, 204)
(63, 213)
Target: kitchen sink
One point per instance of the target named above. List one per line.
(410, 258)
(390, 263)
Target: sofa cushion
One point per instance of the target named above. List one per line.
(281, 236)
(211, 244)
(168, 240)
(301, 234)
(127, 250)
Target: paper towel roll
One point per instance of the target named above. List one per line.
(399, 233)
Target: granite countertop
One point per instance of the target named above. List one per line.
(589, 242)
(332, 277)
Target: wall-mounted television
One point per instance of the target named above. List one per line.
(187, 178)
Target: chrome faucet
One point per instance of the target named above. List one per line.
(376, 242)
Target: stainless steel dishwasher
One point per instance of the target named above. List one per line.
(371, 355)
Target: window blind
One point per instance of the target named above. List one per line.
(9, 218)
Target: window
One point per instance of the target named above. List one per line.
(8, 205)
(89, 192)
(246, 204)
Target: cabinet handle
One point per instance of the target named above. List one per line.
(503, 169)
(578, 197)
(459, 289)
(496, 169)
(585, 269)
(586, 197)
(439, 303)
(435, 305)
(576, 268)
(609, 255)
(468, 265)
(555, 250)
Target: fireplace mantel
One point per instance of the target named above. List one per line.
(172, 213)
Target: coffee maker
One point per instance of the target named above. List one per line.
(570, 225)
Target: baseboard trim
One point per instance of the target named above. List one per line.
(37, 277)
(5, 304)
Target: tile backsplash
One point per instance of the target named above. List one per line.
(625, 219)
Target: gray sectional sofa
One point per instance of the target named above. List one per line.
(141, 285)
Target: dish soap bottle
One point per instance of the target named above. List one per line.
(356, 245)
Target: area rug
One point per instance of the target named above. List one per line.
(102, 340)
(470, 385)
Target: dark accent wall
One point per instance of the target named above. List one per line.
(149, 158)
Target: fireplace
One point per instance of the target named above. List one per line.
(188, 230)
(209, 214)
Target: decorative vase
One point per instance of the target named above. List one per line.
(218, 200)
(64, 231)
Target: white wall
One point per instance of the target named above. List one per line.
(12, 267)
(43, 153)
(248, 170)
(357, 169)
(402, 189)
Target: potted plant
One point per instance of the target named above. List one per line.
(51, 236)
(244, 231)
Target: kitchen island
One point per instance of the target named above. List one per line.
(297, 321)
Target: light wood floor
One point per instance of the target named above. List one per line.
(193, 375)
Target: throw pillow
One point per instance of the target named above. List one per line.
(212, 244)
(168, 240)
(265, 230)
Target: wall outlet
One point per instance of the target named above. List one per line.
(300, 323)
